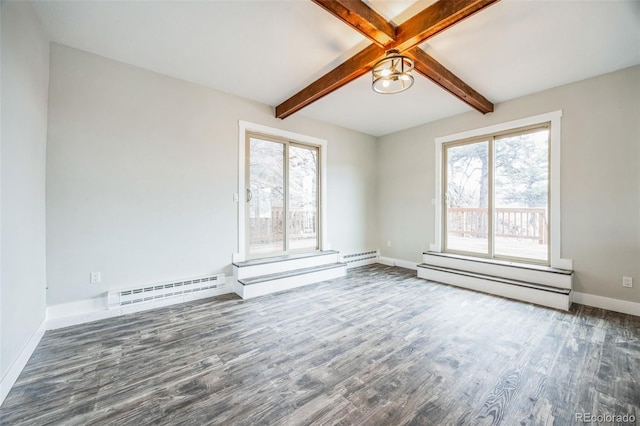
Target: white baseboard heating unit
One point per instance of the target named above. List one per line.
(354, 260)
(201, 286)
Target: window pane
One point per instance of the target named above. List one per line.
(303, 198)
(266, 207)
(521, 195)
(467, 202)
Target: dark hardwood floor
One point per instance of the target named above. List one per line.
(378, 347)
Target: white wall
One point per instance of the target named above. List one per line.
(141, 172)
(600, 174)
(25, 76)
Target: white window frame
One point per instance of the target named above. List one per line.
(556, 261)
(245, 127)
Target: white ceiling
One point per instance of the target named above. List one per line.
(267, 50)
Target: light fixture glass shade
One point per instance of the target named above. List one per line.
(392, 74)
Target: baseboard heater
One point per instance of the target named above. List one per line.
(353, 260)
(539, 285)
(150, 293)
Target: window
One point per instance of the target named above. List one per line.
(498, 192)
(282, 196)
(497, 195)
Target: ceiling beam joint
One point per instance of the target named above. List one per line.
(434, 19)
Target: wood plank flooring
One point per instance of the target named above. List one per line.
(378, 347)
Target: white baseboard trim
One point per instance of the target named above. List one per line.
(16, 368)
(616, 305)
(389, 261)
(58, 315)
(75, 313)
(83, 311)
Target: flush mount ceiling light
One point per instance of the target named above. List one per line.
(392, 74)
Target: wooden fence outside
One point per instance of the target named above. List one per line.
(302, 225)
(521, 223)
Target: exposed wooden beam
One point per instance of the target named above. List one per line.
(362, 18)
(434, 19)
(348, 71)
(444, 78)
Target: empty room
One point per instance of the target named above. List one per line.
(296, 212)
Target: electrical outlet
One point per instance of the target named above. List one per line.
(388, 243)
(627, 282)
(95, 277)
